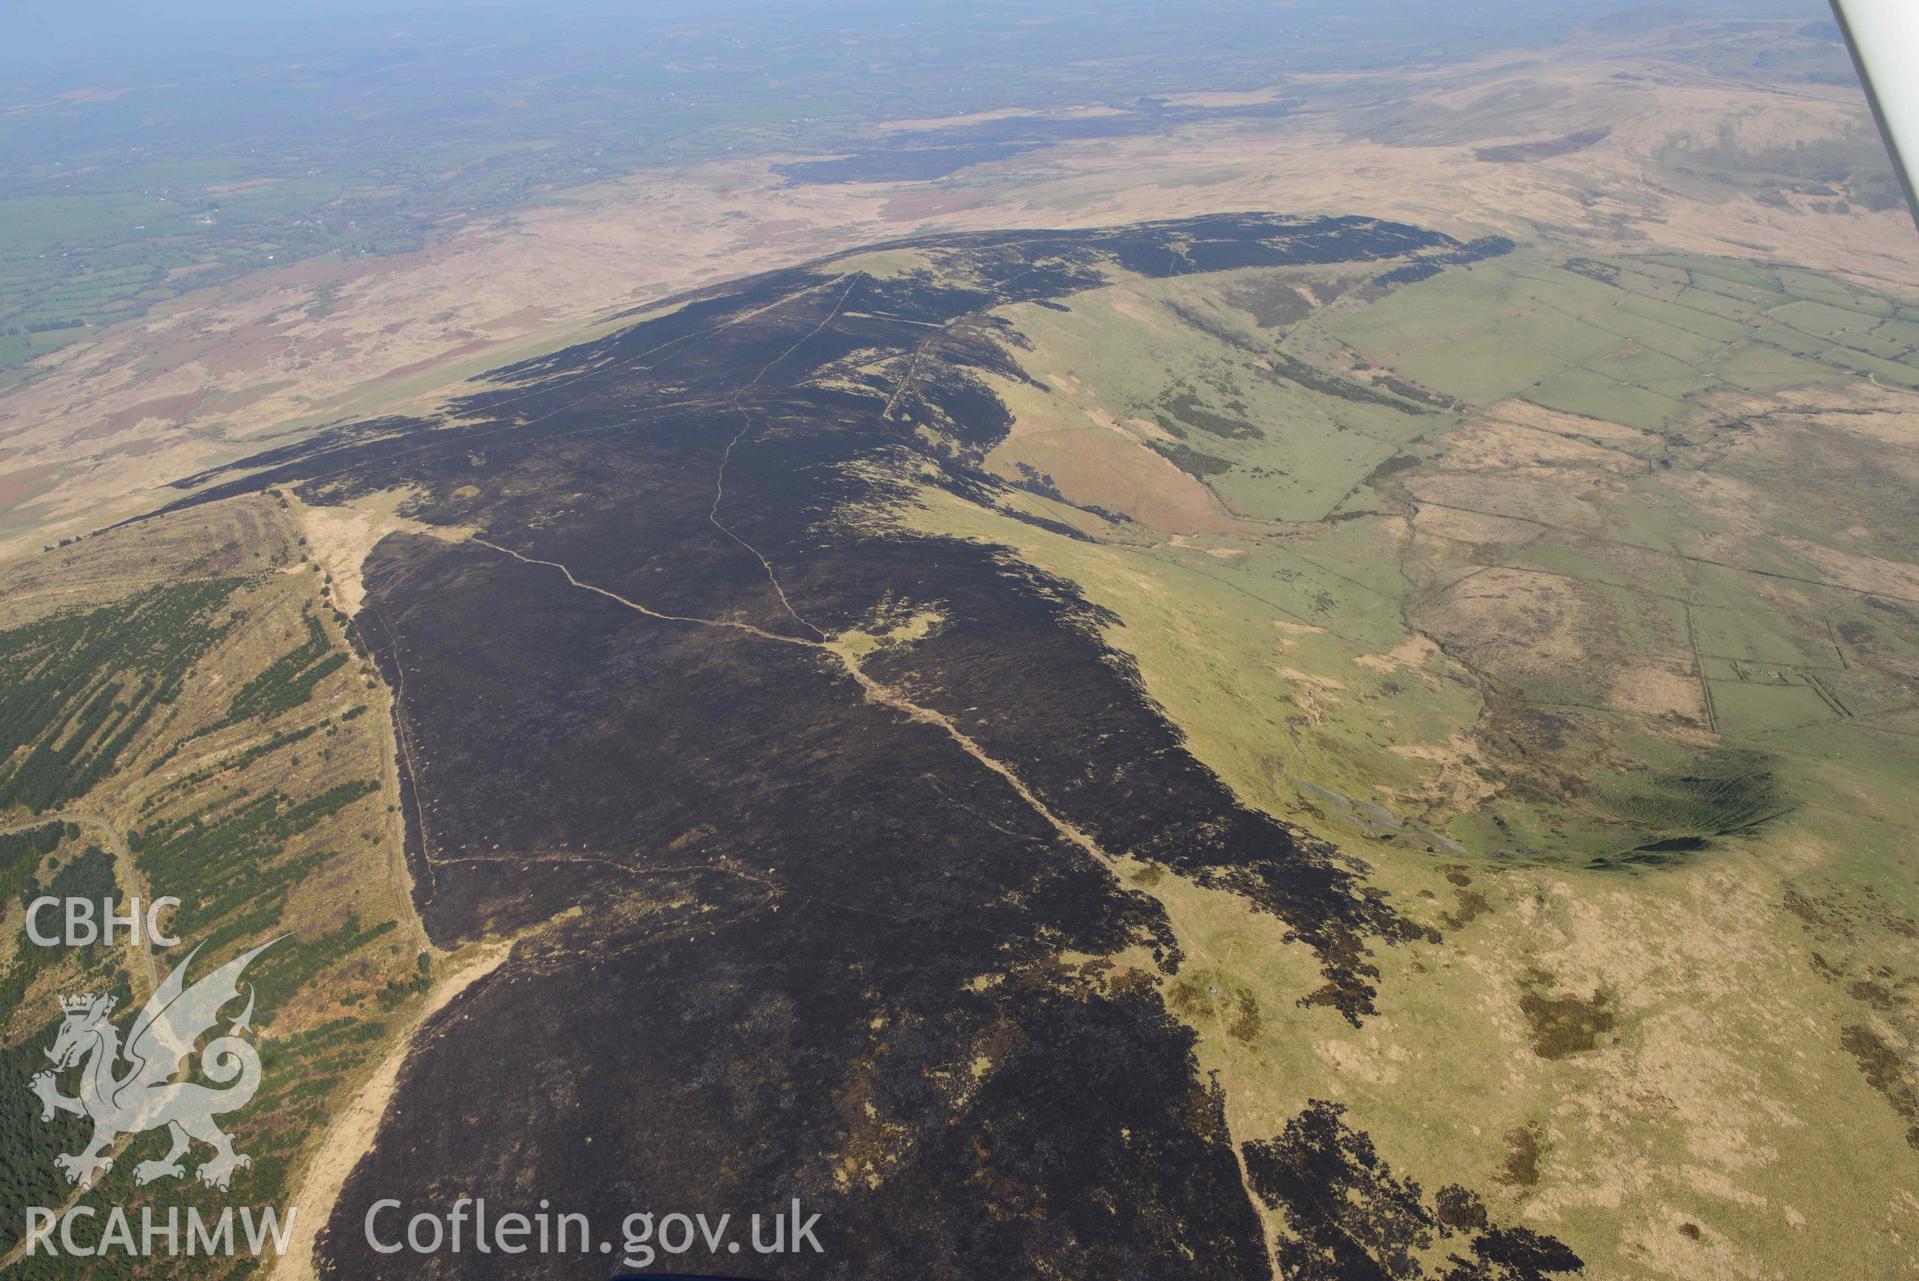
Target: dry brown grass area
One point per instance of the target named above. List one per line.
(340, 537)
(1516, 437)
(1101, 467)
(1518, 623)
(206, 542)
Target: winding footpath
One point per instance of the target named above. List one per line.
(876, 691)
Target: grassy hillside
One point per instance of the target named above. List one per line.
(186, 716)
(1579, 600)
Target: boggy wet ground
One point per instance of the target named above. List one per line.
(805, 910)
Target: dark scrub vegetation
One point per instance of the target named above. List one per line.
(81, 685)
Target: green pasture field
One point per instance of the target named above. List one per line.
(1631, 341)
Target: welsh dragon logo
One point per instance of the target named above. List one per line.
(131, 1089)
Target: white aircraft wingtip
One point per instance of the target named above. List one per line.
(1884, 36)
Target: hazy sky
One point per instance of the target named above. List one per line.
(208, 30)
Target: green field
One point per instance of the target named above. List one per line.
(1624, 705)
(1635, 341)
(1654, 582)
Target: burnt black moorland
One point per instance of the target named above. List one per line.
(805, 912)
